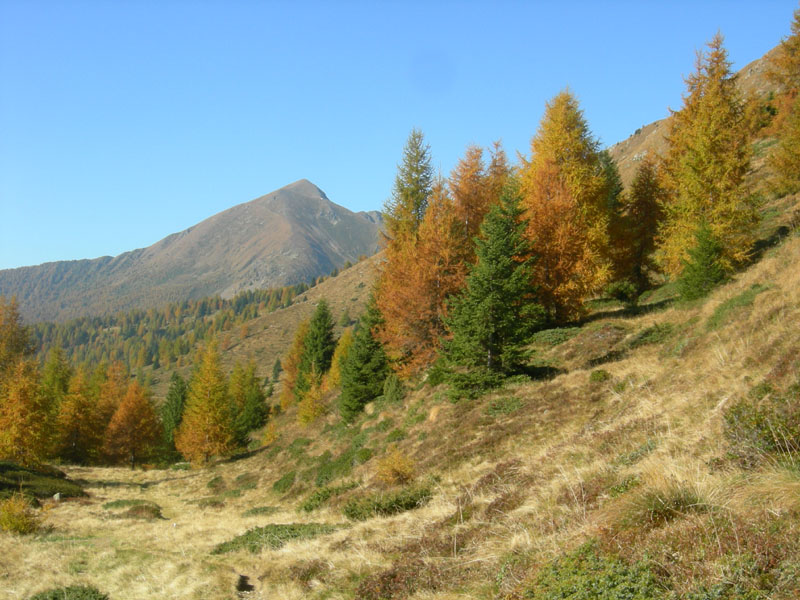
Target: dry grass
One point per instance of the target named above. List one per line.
(637, 461)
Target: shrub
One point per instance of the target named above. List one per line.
(599, 375)
(273, 536)
(395, 468)
(400, 581)
(387, 503)
(216, 484)
(127, 504)
(765, 423)
(363, 455)
(41, 482)
(260, 510)
(585, 575)
(73, 592)
(554, 337)
(321, 496)
(17, 515)
(393, 390)
(624, 291)
(396, 435)
(503, 406)
(285, 483)
(144, 511)
(723, 311)
(655, 334)
(652, 508)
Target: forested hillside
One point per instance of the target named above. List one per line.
(555, 382)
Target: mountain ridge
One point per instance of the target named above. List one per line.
(290, 235)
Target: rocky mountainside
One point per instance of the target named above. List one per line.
(288, 236)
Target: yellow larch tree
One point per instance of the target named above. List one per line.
(705, 165)
(23, 416)
(565, 194)
(207, 427)
(134, 431)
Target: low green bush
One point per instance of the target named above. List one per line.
(322, 495)
(651, 508)
(216, 484)
(587, 575)
(285, 483)
(722, 313)
(273, 536)
(387, 503)
(655, 334)
(127, 503)
(396, 435)
(503, 406)
(599, 376)
(554, 337)
(41, 482)
(766, 423)
(260, 511)
(73, 592)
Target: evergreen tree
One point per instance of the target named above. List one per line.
(494, 316)
(702, 270)
(705, 166)
(172, 409)
(318, 347)
(365, 368)
(248, 402)
(277, 368)
(412, 186)
(206, 429)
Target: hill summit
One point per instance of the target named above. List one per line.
(288, 236)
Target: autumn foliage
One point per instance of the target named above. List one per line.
(134, 431)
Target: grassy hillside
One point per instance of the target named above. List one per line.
(651, 459)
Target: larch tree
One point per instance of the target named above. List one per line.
(334, 377)
(565, 195)
(642, 216)
(494, 316)
(24, 423)
(207, 427)
(134, 431)
(469, 189)
(416, 283)
(365, 367)
(79, 430)
(291, 365)
(15, 341)
(707, 159)
(785, 71)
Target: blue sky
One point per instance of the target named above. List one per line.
(124, 121)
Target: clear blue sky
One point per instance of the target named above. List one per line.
(124, 121)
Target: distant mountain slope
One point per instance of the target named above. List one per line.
(651, 138)
(288, 236)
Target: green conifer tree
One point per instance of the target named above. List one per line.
(493, 317)
(413, 185)
(172, 410)
(365, 368)
(703, 270)
(318, 347)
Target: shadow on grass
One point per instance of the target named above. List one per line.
(629, 311)
(541, 372)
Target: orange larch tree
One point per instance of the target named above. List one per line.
(291, 365)
(134, 431)
(78, 428)
(565, 194)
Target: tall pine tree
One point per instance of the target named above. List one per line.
(318, 346)
(172, 409)
(413, 184)
(494, 316)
